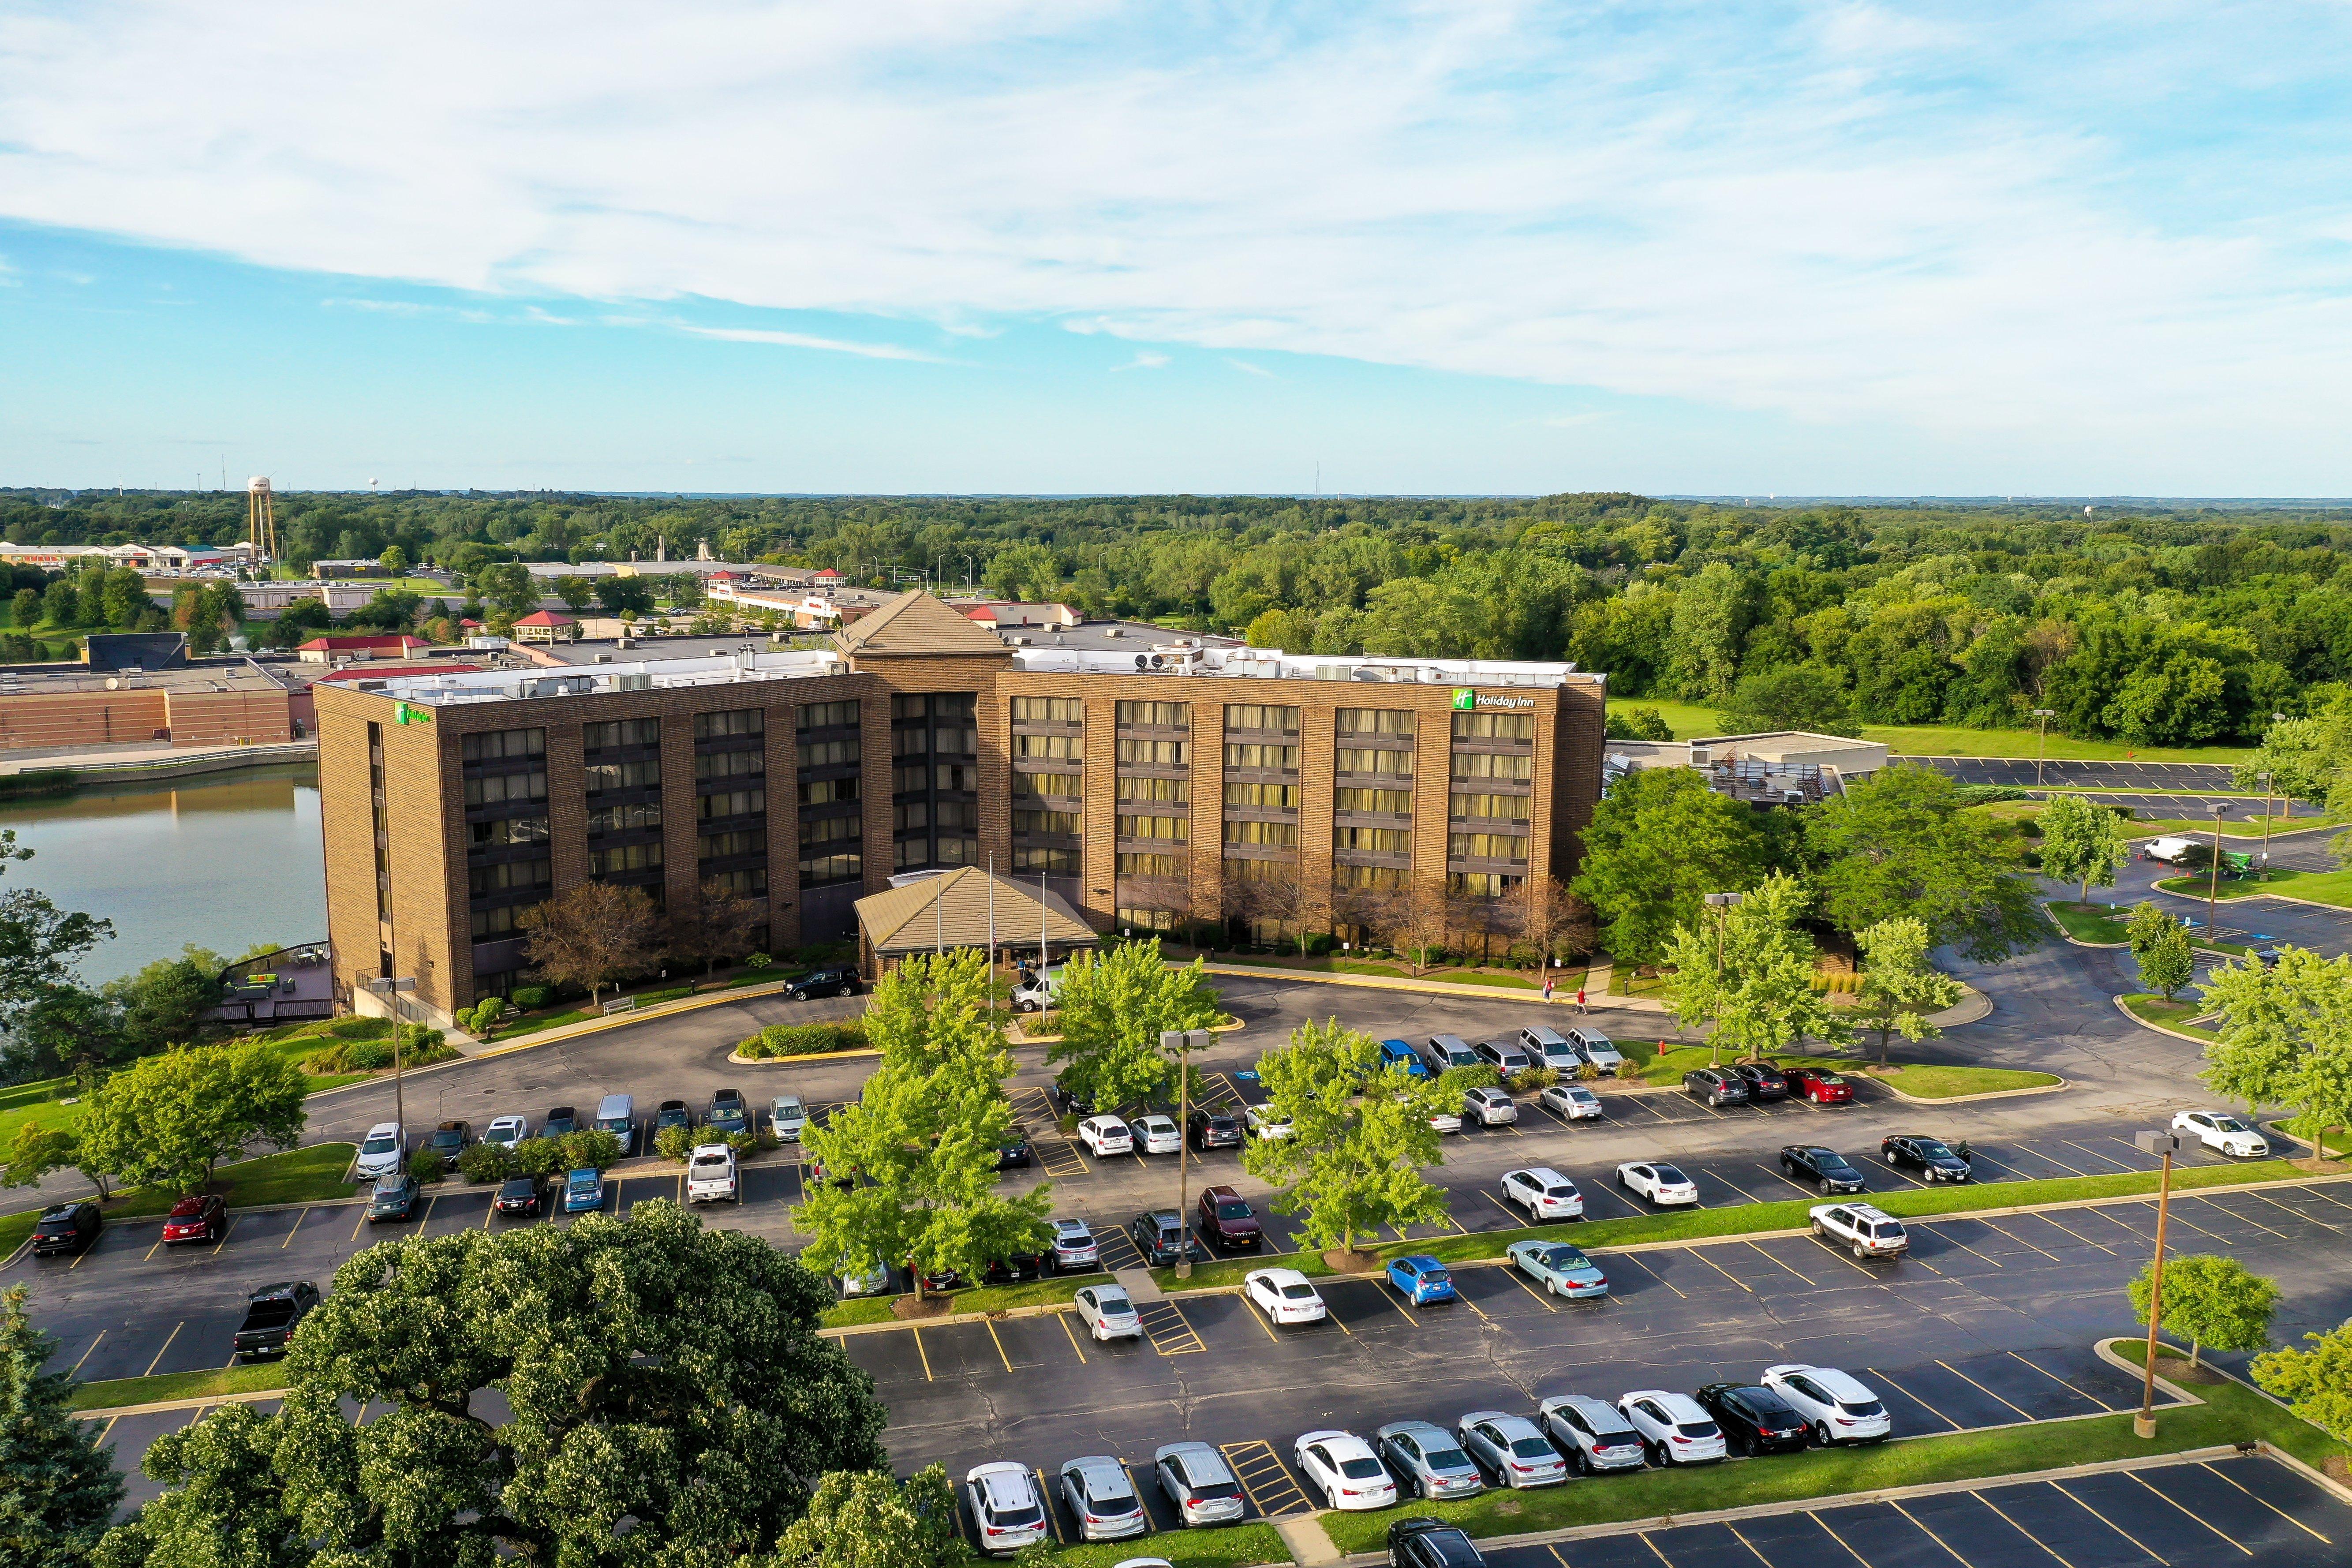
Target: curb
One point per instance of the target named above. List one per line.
(2250, 898)
(2160, 1029)
(1040, 1309)
(2069, 936)
(744, 1061)
(110, 1413)
(1971, 1099)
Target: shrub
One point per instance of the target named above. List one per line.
(538, 1156)
(804, 1039)
(673, 1142)
(360, 1028)
(527, 997)
(484, 1017)
(485, 1162)
(758, 960)
(1529, 1079)
(590, 1146)
(1316, 944)
(1986, 794)
(427, 1165)
(367, 1055)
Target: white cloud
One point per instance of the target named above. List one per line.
(804, 341)
(1248, 369)
(1145, 359)
(1985, 222)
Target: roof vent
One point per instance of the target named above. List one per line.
(604, 659)
(1115, 631)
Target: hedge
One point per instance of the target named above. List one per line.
(803, 1040)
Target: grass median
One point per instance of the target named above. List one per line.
(2231, 1413)
(1751, 1219)
(1931, 1081)
(2150, 1008)
(306, 1176)
(2101, 923)
(213, 1383)
(1231, 1547)
(2317, 887)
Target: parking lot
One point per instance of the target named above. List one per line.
(2252, 1511)
(2251, 920)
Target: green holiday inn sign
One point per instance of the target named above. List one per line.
(1465, 698)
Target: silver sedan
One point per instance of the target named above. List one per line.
(1429, 1458)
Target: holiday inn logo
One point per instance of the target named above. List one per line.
(1466, 698)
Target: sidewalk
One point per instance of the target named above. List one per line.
(1532, 996)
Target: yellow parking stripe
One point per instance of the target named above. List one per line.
(1832, 1534)
(1776, 1171)
(2061, 1382)
(925, 1354)
(2061, 1165)
(2095, 1154)
(2241, 1547)
(1169, 1329)
(227, 1231)
(1807, 1278)
(1513, 1275)
(2275, 1508)
(113, 1419)
(1981, 1388)
(167, 1345)
(991, 1325)
(1053, 1514)
(297, 1225)
(1719, 1268)
(84, 1356)
(1963, 1246)
(2110, 1524)
(1977, 1156)
(1923, 1404)
(1748, 1543)
(1644, 1538)
(2021, 1530)
(1930, 1534)
(1266, 1479)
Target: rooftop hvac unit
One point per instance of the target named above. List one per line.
(1701, 757)
(1115, 631)
(1330, 672)
(638, 682)
(604, 659)
(1368, 672)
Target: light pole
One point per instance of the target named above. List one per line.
(1722, 904)
(2213, 879)
(393, 988)
(1179, 1044)
(2045, 715)
(2166, 1145)
(2267, 782)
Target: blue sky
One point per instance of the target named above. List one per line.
(1074, 246)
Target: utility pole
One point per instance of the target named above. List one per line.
(1179, 1044)
(1722, 904)
(2166, 1145)
(2213, 879)
(2266, 825)
(2042, 746)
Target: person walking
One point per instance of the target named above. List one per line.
(1580, 999)
(1548, 982)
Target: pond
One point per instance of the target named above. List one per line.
(225, 860)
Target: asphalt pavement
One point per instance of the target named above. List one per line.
(2066, 773)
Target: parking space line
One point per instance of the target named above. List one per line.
(167, 1345)
(2095, 1154)
(1643, 1537)
(2061, 1164)
(2297, 1213)
(1513, 1275)
(85, 1354)
(1981, 1388)
(1266, 1481)
(152, 1250)
(113, 1419)
(1053, 1514)
(1806, 1277)
(1832, 1534)
(2022, 1242)
(1251, 1310)
(291, 1230)
(1653, 1273)
(1497, 1202)
(2178, 1218)
(2272, 1506)
(990, 1324)
(2077, 1235)
(2021, 1530)
(2062, 1383)
(1922, 1404)
(1169, 1329)
(2014, 1174)
(1776, 1171)
(1064, 1319)
(2108, 1214)
(229, 1230)
(924, 1354)
(2198, 1517)
(1939, 1539)
(1719, 1268)
(1963, 1246)
(359, 1222)
(2258, 1225)
(1748, 1543)
(2110, 1524)
(1898, 1174)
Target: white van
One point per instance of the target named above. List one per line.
(1037, 994)
(617, 1114)
(2169, 849)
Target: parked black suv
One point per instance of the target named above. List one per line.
(1160, 1233)
(1754, 1420)
(1717, 1086)
(68, 1227)
(1826, 1168)
(1212, 1129)
(1014, 1150)
(1423, 1542)
(1929, 1156)
(1763, 1080)
(561, 1120)
(826, 983)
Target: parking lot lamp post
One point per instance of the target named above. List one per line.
(2213, 879)
(1179, 1044)
(2164, 1144)
(1722, 904)
(2267, 794)
(392, 989)
(2045, 715)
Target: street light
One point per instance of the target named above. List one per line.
(2045, 715)
(1723, 904)
(2166, 1145)
(393, 988)
(1179, 1044)
(2275, 719)
(2213, 879)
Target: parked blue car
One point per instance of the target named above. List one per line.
(584, 1190)
(1396, 1053)
(1421, 1279)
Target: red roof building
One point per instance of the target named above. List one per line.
(387, 645)
(546, 626)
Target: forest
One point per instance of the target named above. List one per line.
(2158, 625)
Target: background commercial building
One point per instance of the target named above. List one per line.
(1148, 785)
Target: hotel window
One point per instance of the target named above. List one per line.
(1281, 835)
(910, 743)
(495, 789)
(1170, 792)
(1386, 802)
(1158, 715)
(932, 828)
(828, 792)
(506, 833)
(1051, 711)
(1494, 765)
(1482, 884)
(496, 745)
(483, 882)
(619, 732)
(1176, 830)
(749, 879)
(1493, 726)
(1373, 840)
(824, 870)
(1394, 722)
(829, 753)
(1048, 786)
(1493, 807)
(1147, 866)
(1045, 860)
(1261, 716)
(1357, 760)
(504, 920)
(1263, 796)
(719, 846)
(1147, 919)
(734, 803)
(632, 818)
(1250, 754)
(602, 776)
(821, 830)
(623, 857)
(828, 715)
(1156, 753)
(1051, 824)
(1381, 877)
(1485, 846)
(915, 814)
(1050, 748)
(735, 721)
(729, 764)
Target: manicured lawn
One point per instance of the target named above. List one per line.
(1568, 978)
(967, 1303)
(35, 1102)
(1225, 1548)
(2149, 1007)
(1690, 720)
(2319, 886)
(257, 1377)
(1625, 982)
(2231, 1413)
(1643, 1064)
(1936, 1082)
(2089, 923)
(2335, 1141)
(532, 1023)
(297, 1176)
(2198, 827)
(1478, 977)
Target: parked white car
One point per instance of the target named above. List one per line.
(1108, 1313)
(1870, 1232)
(1674, 1427)
(1007, 1515)
(1344, 1469)
(1106, 1135)
(1837, 1406)
(1156, 1134)
(1544, 1193)
(1266, 1122)
(1661, 1183)
(1571, 1102)
(1492, 1107)
(711, 1174)
(2220, 1129)
(506, 1131)
(1283, 1295)
(382, 1151)
(1446, 1122)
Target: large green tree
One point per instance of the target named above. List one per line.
(1658, 843)
(865, 1518)
(1901, 845)
(2211, 1301)
(2283, 1036)
(2315, 1383)
(1809, 697)
(1899, 988)
(166, 1119)
(165, 1001)
(1360, 1135)
(668, 1397)
(2082, 841)
(1749, 972)
(924, 1135)
(57, 1487)
(1112, 1008)
(2168, 962)
(40, 944)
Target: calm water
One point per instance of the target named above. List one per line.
(225, 860)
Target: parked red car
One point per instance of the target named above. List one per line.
(197, 1219)
(1819, 1085)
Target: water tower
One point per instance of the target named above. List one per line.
(260, 523)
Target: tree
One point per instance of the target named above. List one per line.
(924, 1135)
(1899, 988)
(2146, 926)
(1414, 918)
(1637, 725)
(39, 946)
(394, 560)
(574, 592)
(41, 1149)
(68, 1031)
(507, 587)
(1113, 1007)
(865, 1518)
(165, 1002)
(591, 936)
(58, 1488)
(1359, 1135)
(2283, 1036)
(2169, 963)
(166, 1119)
(621, 595)
(1751, 971)
(1659, 841)
(2082, 842)
(1793, 697)
(1901, 845)
(2209, 1300)
(719, 924)
(26, 608)
(60, 605)
(2316, 1383)
(654, 1371)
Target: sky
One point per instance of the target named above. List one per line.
(1074, 246)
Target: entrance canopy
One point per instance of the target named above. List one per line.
(952, 910)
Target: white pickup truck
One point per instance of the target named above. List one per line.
(711, 1174)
